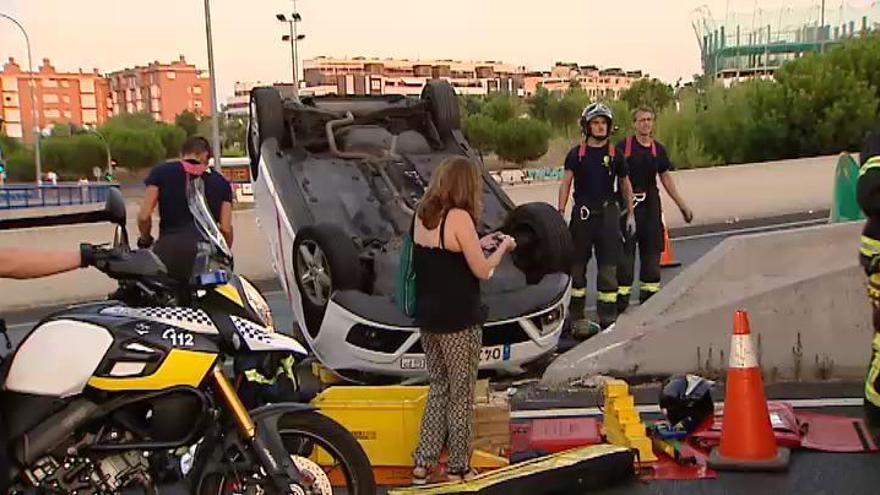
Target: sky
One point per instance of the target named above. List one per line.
(655, 36)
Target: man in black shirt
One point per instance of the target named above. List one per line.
(166, 187)
(597, 172)
(646, 160)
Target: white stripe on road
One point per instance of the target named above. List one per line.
(747, 230)
(654, 409)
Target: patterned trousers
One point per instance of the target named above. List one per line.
(452, 360)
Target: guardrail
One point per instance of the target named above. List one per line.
(28, 196)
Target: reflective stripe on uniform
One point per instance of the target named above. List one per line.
(624, 291)
(871, 392)
(870, 246)
(649, 287)
(578, 292)
(874, 289)
(873, 162)
(607, 297)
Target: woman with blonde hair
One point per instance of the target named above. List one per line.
(449, 262)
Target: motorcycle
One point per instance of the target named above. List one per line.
(133, 394)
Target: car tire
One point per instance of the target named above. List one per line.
(325, 260)
(265, 121)
(544, 243)
(443, 105)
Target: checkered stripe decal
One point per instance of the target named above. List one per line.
(194, 320)
(251, 331)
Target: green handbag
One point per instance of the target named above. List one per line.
(405, 289)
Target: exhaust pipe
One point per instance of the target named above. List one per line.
(49, 434)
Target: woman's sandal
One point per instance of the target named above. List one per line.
(420, 476)
(458, 476)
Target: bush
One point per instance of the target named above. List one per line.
(481, 131)
(20, 166)
(135, 149)
(73, 156)
(521, 140)
(677, 130)
(172, 138)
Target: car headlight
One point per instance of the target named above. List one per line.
(258, 304)
(549, 321)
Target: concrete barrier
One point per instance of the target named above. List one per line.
(806, 299)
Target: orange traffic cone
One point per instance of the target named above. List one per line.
(667, 259)
(747, 440)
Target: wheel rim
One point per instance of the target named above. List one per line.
(306, 440)
(254, 128)
(314, 273)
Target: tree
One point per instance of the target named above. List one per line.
(20, 165)
(521, 140)
(135, 149)
(539, 104)
(189, 122)
(564, 113)
(172, 138)
(650, 93)
(73, 156)
(139, 120)
(481, 131)
(502, 107)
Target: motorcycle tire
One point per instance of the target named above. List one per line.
(329, 435)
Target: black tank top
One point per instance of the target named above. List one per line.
(447, 292)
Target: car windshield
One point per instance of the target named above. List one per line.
(205, 223)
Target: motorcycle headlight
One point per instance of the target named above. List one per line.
(258, 304)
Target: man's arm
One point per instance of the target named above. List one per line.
(226, 222)
(145, 217)
(627, 189)
(669, 185)
(25, 264)
(564, 191)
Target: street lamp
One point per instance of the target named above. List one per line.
(106, 145)
(33, 85)
(215, 117)
(293, 38)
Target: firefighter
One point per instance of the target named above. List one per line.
(868, 194)
(598, 172)
(646, 160)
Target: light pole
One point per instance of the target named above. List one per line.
(38, 158)
(106, 145)
(215, 117)
(293, 38)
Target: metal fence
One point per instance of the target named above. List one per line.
(32, 196)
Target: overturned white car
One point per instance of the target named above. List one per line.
(336, 180)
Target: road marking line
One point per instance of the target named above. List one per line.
(654, 409)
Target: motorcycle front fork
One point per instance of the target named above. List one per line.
(270, 452)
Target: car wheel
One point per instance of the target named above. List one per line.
(266, 121)
(325, 260)
(443, 105)
(544, 243)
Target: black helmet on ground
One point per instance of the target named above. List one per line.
(686, 401)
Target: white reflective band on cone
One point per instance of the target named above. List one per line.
(742, 353)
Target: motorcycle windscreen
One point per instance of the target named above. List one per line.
(205, 223)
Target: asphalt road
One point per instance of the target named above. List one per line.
(689, 243)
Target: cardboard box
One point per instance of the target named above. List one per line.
(492, 425)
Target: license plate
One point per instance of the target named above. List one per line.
(495, 353)
(412, 363)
